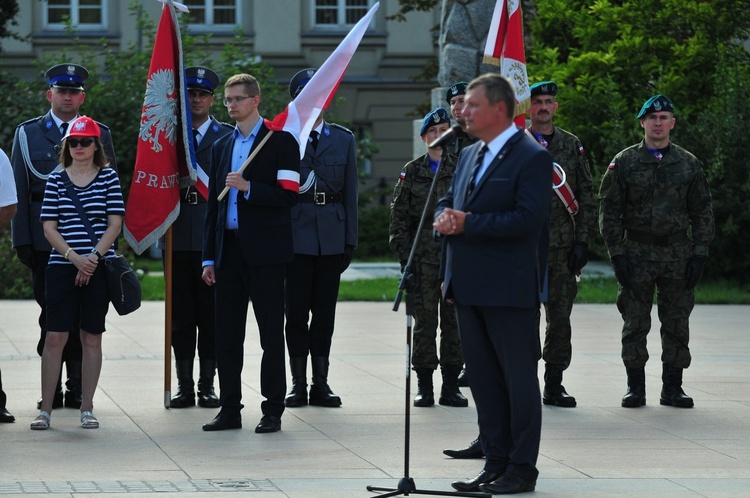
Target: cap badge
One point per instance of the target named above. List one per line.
(71, 70)
(201, 73)
(310, 73)
(454, 89)
(657, 105)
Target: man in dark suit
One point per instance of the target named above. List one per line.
(36, 145)
(324, 227)
(193, 300)
(247, 241)
(493, 216)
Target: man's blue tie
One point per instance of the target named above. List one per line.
(475, 171)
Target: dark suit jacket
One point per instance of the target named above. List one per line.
(43, 138)
(265, 222)
(327, 229)
(495, 261)
(187, 229)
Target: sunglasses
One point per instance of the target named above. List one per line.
(85, 142)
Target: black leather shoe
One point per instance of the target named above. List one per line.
(182, 399)
(484, 477)
(223, 422)
(57, 401)
(268, 423)
(473, 451)
(207, 398)
(6, 417)
(557, 396)
(508, 484)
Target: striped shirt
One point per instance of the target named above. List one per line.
(100, 198)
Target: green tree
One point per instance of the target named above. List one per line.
(610, 56)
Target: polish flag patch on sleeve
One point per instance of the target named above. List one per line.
(611, 165)
(580, 149)
(402, 175)
(288, 180)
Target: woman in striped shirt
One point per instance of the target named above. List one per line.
(74, 278)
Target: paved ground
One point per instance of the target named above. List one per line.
(595, 450)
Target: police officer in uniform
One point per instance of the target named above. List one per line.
(657, 222)
(35, 150)
(193, 306)
(324, 228)
(572, 220)
(409, 198)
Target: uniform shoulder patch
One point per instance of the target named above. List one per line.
(342, 128)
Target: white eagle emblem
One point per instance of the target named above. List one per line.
(159, 114)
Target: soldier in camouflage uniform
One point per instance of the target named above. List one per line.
(409, 198)
(455, 98)
(657, 222)
(569, 232)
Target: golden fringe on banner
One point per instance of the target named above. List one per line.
(488, 59)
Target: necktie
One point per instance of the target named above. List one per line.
(64, 128)
(475, 171)
(195, 139)
(314, 139)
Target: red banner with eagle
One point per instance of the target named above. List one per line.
(163, 161)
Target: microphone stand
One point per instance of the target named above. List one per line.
(406, 485)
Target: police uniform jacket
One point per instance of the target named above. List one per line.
(568, 152)
(187, 230)
(326, 224)
(42, 141)
(644, 197)
(409, 197)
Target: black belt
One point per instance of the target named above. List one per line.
(36, 197)
(191, 196)
(656, 240)
(321, 198)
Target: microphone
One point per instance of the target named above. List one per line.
(446, 137)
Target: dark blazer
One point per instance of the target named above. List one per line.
(187, 229)
(495, 261)
(327, 229)
(43, 138)
(265, 222)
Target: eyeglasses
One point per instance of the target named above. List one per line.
(235, 100)
(84, 142)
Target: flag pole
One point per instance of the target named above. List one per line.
(247, 161)
(168, 317)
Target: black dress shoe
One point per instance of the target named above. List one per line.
(508, 484)
(223, 422)
(268, 423)
(484, 477)
(473, 451)
(6, 417)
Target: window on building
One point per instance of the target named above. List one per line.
(339, 13)
(221, 14)
(83, 14)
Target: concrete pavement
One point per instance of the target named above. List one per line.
(595, 450)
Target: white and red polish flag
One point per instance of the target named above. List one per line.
(164, 161)
(505, 49)
(299, 116)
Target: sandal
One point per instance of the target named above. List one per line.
(41, 422)
(89, 421)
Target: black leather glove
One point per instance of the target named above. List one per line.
(25, 255)
(622, 270)
(347, 258)
(578, 257)
(403, 265)
(694, 270)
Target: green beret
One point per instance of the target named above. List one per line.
(544, 88)
(434, 118)
(657, 103)
(456, 89)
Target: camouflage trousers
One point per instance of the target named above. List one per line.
(562, 290)
(428, 306)
(674, 303)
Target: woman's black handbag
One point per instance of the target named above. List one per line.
(122, 283)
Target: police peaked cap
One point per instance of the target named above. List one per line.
(456, 89)
(299, 81)
(201, 78)
(544, 88)
(657, 103)
(67, 75)
(434, 118)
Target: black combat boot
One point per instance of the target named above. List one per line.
(425, 395)
(185, 396)
(636, 395)
(73, 392)
(671, 391)
(554, 392)
(320, 393)
(206, 394)
(298, 393)
(450, 395)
